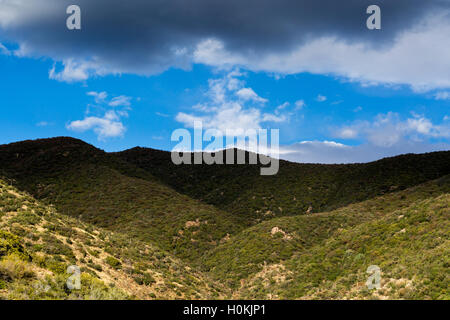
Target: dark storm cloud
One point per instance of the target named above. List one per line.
(148, 36)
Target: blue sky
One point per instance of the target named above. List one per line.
(328, 108)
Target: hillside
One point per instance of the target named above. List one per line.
(87, 183)
(272, 249)
(411, 246)
(37, 244)
(141, 227)
(240, 189)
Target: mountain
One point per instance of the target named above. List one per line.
(305, 256)
(87, 183)
(152, 229)
(38, 244)
(241, 189)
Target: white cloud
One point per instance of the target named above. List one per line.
(444, 95)
(347, 133)
(321, 98)
(42, 124)
(212, 52)
(299, 104)
(73, 71)
(98, 96)
(120, 101)
(333, 152)
(267, 117)
(388, 130)
(229, 117)
(247, 94)
(108, 126)
(281, 107)
(224, 112)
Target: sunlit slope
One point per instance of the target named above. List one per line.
(37, 244)
(297, 257)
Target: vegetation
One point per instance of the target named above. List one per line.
(262, 258)
(140, 227)
(241, 190)
(35, 254)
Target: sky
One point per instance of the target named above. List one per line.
(337, 91)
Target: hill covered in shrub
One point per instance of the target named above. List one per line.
(141, 227)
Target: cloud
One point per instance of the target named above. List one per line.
(332, 152)
(120, 101)
(444, 95)
(283, 37)
(247, 94)
(299, 104)
(223, 111)
(73, 71)
(282, 107)
(321, 98)
(4, 50)
(347, 133)
(98, 96)
(387, 130)
(42, 124)
(360, 61)
(108, 126)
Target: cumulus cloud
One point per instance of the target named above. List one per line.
(224, 112)
(73, 71)
(107, 124)
(248, 94)
(387, 130)
(323, 36)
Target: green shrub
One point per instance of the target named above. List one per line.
(11, 244)
(113, 262)
(12, 267)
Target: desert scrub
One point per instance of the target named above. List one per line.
(113, 262)
(12, 244)
(24, 218)
(144, 278)
(12, 267)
